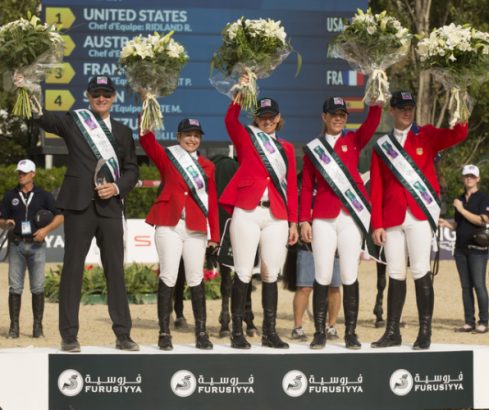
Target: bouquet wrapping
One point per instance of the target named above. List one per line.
(152, 64)
(456, 56)
(29, 50)
(256, 47)
(371, 43)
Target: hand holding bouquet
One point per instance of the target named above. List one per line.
(371, 43)
(456, 56)
(28, 50)
(152, 64)
(255, 47)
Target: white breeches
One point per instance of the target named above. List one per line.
(258, 227)
(173, 242)
(340, 233)
(413, 239)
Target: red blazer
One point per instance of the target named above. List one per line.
(169, 205)
(348, 148)
(252, 178)
(389, 198)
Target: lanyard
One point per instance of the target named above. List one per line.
(26, 203)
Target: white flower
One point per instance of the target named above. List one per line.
(371, 29)
(452, 57)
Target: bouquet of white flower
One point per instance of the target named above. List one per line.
(28, 51)
(371, 43)
(153, 64)
(256, 47)
(456, 56)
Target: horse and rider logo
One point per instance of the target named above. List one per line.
(294, 383)
(70, 383)
(401, 382)
(183, 383)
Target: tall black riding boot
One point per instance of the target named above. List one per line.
(320, 299)
(269, 299)
(226, 288)
(37, 312)
(14, 311)
(238, 297)
(381, 282)
(351, 298)
(197, 294)
(396, 295)
(251, 330)
(180, 321)
(425, 299)
(164, 312)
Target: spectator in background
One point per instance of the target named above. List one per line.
(471, 213)
(21, 206)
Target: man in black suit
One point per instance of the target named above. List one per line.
(93, 211)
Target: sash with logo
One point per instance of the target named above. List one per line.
(100, 140)
(410, 176)
(339, 178)
(193, 175)
(274, 158)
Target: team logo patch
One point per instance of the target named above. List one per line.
(193, 122)
(471, 167)
(183, 383)
(419, 151)
(15, 201)
(401, 382)
(339, 101)
(294, 383)
(407, 96)
(70, 383)
(344, 148)
(101, 80)
(266, 103)
(22, 163)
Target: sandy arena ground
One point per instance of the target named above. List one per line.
(95, 324)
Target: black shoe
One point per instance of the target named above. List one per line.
(270, 337)
(14, 311)
(164, 308)
(465, 329)
(164, 341)
(70, 344)
(319, 341)
(320, 299)
(425, 299)
(197, 294)
(396, 295)
(38, 312)
(351, 296)
(224, 320)
(202, 342)
(125, 342)
(238, 298)
(181, 323)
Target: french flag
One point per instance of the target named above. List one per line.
(353, 78)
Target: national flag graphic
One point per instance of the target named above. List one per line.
(353, 78)
(354, 104)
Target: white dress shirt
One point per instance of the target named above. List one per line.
(332, 139)
(401, 136)
(265, 194)
(196, 157)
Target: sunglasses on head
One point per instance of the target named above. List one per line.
(97, 94)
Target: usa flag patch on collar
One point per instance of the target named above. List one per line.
(419, 151)
(344, 148)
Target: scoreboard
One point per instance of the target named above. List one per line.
(94, 32)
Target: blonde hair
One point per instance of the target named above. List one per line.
(325, 129)
(280, 124)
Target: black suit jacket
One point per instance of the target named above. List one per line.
(78, 187)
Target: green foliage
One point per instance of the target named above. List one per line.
(139, 280)
(140, 200)
(47, 179)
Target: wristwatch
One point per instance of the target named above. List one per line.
(303, 222)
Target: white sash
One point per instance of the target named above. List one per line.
(194, 176)
(411, 177)
(98, 140)
(330, 166)
(269, 147)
